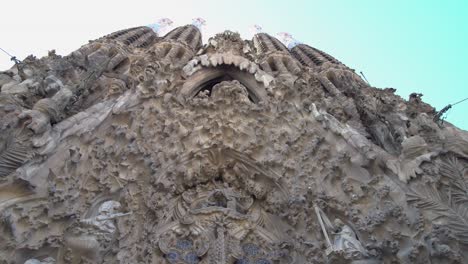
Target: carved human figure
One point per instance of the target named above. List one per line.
(84, 238)
(104, 221)
(346, 240)
(340, 237)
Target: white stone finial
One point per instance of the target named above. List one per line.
(255, 29)
(161, 25)
(288, 39)
(199, 22)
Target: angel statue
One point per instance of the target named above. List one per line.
(343, 239)
(104, 221)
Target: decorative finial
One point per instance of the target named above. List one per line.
(161, 25)
(199, 22)
(255, 29)
(288, 39)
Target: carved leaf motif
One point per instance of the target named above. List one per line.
(13, 154)
(443, 207)
(455, 172)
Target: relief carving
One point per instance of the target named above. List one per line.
(144, 149)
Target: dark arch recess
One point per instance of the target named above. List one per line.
(206, 78)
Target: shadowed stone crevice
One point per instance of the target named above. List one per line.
(206, 78)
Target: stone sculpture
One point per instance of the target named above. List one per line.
(45, 261)
(346, 240)
(140, 148)
(104, 221)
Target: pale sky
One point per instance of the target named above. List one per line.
(35, 27)
(413, 46)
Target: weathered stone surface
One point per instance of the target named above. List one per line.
(144, 149)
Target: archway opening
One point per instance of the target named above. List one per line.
(205, 79)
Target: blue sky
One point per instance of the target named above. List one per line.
(413, 46)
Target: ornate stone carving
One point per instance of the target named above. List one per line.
(144, 149)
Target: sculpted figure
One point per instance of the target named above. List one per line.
(346, 240)
(85, 241)
(341, 238)
(104, 221)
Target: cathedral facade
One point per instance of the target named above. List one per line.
(139, 148)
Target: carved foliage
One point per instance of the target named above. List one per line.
(446, 205)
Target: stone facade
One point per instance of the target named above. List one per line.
(144, 149)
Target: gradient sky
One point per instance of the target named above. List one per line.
(413, 46)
